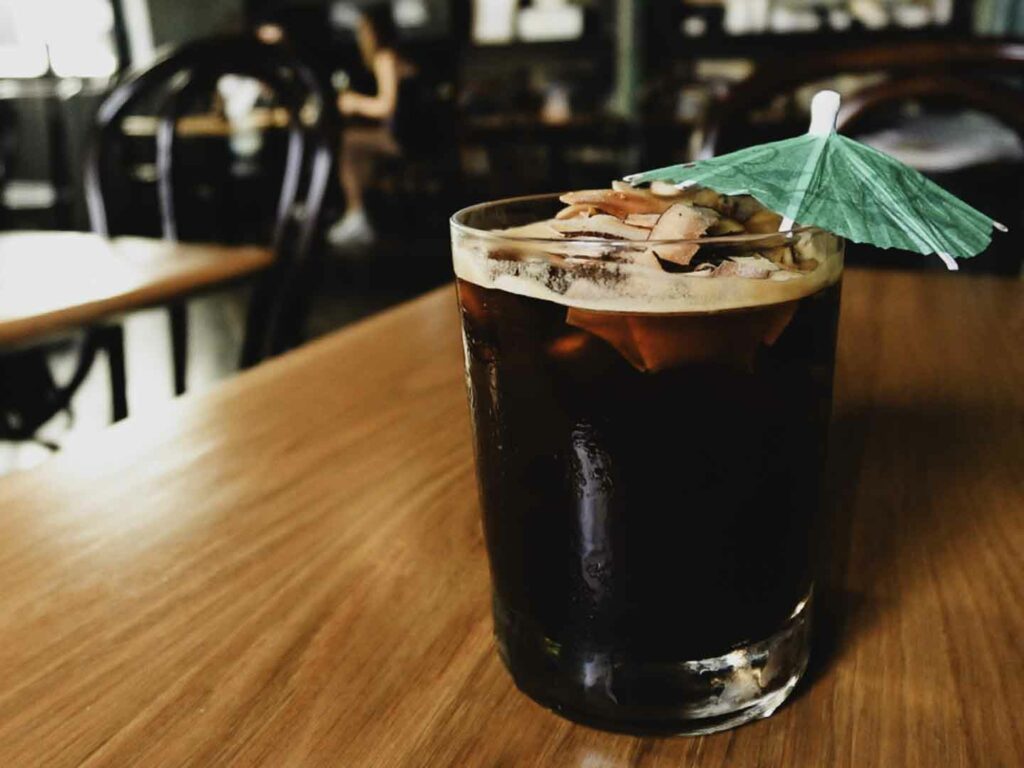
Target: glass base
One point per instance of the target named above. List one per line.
(685, 698)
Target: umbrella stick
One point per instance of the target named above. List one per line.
(824, 110)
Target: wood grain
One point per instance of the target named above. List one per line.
(53, 281)
(289, 569)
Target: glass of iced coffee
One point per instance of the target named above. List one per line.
(650, 380)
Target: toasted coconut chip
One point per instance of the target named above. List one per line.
(552, 252)
(645, 220)
(744, 206)
(738, 207)
(664, 189)
(617, 203)
(601, 225)
(725, 226)
(781, 255)
(680, 222)
(763, 222)
(754, 267)
(572, 211)
(707, 198)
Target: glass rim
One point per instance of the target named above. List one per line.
(490, 234)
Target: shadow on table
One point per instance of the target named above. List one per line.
(895, 476)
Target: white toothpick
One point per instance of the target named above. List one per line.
(949, 261)
(824, 111)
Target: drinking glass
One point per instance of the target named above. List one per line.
(650, 448)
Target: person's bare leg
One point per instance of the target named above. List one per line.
(359, 147)
(351, 183)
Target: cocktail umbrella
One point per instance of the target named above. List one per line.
(830, 181)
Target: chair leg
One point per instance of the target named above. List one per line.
(257, 322)
(113, 343)
(179, 345)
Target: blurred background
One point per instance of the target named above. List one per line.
(491, 98)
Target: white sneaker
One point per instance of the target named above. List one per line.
(351, 229)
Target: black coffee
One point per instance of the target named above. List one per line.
(649, 486)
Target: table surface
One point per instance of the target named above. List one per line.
(210, 125)
(289, 569)
(52, 281)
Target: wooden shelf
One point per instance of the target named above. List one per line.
(522, 54)
(774, 45)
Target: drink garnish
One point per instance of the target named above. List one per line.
(674, 222)
(827, 180)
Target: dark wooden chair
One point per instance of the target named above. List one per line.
(728, 126)
(30, 395)
(991, 97)
(176, 84)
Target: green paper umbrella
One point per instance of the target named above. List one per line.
(829, 181)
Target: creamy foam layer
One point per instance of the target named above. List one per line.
(551, 272)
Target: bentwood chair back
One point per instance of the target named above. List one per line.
(728, 124)
(176, 84)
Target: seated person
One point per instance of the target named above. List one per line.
(361, 143)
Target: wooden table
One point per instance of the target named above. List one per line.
(289, 569)
(52, 281)
(210, 125)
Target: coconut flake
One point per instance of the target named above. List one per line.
(602, 225)
(680, 222)
(617, 203)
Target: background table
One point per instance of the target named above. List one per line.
(259, 119)
(289, 570)
(52, 281)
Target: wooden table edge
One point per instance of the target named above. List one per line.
(27, 331)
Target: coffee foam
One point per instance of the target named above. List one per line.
(586, 283)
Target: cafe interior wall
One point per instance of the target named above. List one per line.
(1000, 17)
(176, 21)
